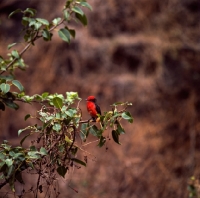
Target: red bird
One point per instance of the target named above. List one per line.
(93, 107)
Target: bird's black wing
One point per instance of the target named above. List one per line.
(98, 109)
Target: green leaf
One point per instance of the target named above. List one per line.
(64, 108)
(21, 130)
(71, 112)
(14, 12)
(12, 182)
(84, 131)
(2, 176)
(66, 15)
(22, 140)
(33, 148)
(33, 22)
(72, 32)
(37, 97)
(28, 98)
(68, 140)
(102, 141)
(78, 10)
(46, 35)
(78, 161)
(31, 11)
(11, 45)
(81, 18)
(64, 34)
(1, 59)
(2, 157)
(57, 127)
(5, 145)
(18, 85)
(5, 88)
(71, 96)
(15, 54)
(11, 104)
(2, 106)
(20, 62)
(115, 136)
(25, 21)
(56, 21)
(120, 129)
(76, 121)
(43, 21)
(3, 68)
(85, 4)
(58, 102)
(27, 116)
(37, 25)
(95, 131)
(17, 155)
(44, 95)
(43, 151)
(68, 3)
(127, 116)
(9, 162)
(58, 116)
(34, 155)
(10, 171)
(27, 37)
(62, 171)
(63, 115)
(12, 153)
(7, 78)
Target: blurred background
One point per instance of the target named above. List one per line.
(143, 51)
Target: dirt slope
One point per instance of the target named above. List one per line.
(146, 52)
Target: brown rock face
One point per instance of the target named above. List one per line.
(142, 51)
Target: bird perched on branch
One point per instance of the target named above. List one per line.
(93, 107)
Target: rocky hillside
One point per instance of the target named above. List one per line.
(146, 52)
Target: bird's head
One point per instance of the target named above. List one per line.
(91, 99)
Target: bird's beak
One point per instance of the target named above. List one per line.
(86, 99)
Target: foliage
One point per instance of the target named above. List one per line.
(193, 188)
(58, 121)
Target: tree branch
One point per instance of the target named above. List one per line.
(15, 59)
(29, 45)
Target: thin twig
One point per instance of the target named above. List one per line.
(74, 137)
(36, 101)
(38, 181)
(15, 59)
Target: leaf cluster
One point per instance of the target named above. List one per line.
(55, 148)
(14, 160)
(111, 119)
(35, 28)
(59, 121)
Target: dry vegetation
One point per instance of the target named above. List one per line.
(146, 52)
